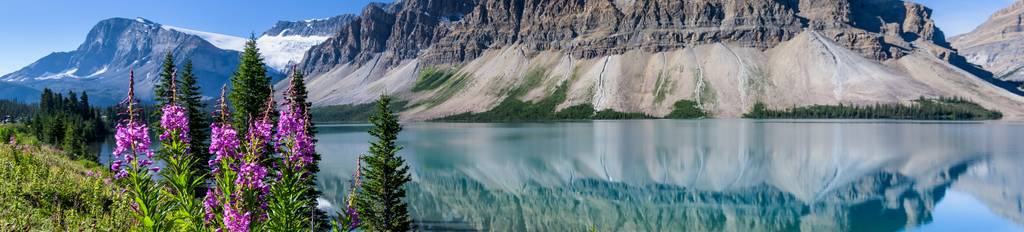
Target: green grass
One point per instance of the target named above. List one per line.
(42, 190)
(661, 88)
(513, 110)
(533, 79)
(432, 78)
(920, 109)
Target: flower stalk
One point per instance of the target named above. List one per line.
(134, 166)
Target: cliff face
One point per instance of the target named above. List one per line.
(613, 52)
(451, 32)
(998, 44)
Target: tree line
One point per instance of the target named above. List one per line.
(68, 121)
(921, 109)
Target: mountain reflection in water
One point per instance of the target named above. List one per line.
(709, 175)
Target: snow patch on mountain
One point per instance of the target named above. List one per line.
(280, 52)
(221, 41)
(67, 73)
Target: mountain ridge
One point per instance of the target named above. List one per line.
(642, 55)
(115, 46)
(997, 44)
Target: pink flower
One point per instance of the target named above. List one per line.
(294, 143)
(224, 142)
(174, 120)
(251, 175)
(235, 219)
(132, 139)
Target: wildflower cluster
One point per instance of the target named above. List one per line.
(257, 180)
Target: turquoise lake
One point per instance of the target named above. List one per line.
(702, 175)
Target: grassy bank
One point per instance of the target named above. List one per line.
(43, 190)
(921, 109)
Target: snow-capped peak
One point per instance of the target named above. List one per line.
(279, 52)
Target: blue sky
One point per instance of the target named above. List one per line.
(30, 29)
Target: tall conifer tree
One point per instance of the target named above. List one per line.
(191, 99)
(162, 89)
(380, 202)
(250, 87)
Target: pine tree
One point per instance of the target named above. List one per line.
(297, 95)
(191, 99)
(86, 109)
(162, 89)
(380, 202)
(250, 87)
(74, 142)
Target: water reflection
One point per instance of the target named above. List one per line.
(710, 175)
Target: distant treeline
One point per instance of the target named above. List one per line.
(12, 111)
(68, 121)
(920, 109)
(348, 113)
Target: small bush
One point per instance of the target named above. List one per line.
(686, 109)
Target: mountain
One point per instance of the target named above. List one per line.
(286, 43)
(644, 55)
(19, 92)
(998, 44)
(114, 47)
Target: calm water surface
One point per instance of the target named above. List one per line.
(708, 175)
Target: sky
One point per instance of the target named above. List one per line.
(31, 29)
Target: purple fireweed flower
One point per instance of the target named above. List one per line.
(235, 220)
(121, 174)
(174, 119)
(224, 142)
(353, 218)
(132, 139)
(259, 135)
(209, 202)
(292, 140)
(251, 176)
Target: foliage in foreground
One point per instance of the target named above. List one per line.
(921, 109)
(42, 190)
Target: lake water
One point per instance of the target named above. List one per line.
(706, 175)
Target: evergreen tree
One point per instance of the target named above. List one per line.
(85, 109)
(162, 89)
(380, 202)
(74, 141)
(297, 95)
(250, 87)
(191, 99)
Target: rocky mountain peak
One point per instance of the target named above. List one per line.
(451, 32)
(998, 44)
(312, 27)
